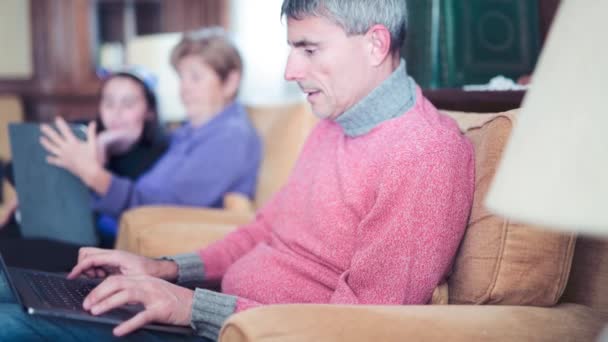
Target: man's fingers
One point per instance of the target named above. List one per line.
(115, 300)
(101, 273)
(83, 266)
(106, 289)
(134, 323)
(95, 261)
(90, 273)
(84, 252)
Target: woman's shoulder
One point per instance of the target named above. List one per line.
(238, 123)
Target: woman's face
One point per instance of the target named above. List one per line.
(123, 105)
(201, 89)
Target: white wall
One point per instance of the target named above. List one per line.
(153, 53)
(15, 40)
(262, 39)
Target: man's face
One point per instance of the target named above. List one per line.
(329, 66)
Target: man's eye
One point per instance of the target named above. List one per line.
(309, 52)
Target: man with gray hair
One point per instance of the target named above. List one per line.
(372, 213)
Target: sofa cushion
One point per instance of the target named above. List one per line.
(500, 262)
(283, 130)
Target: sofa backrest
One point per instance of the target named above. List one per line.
(283, 130)
(500, 262)
(10, 111)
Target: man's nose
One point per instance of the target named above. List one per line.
(294, 70)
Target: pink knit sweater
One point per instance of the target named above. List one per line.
(374, 219)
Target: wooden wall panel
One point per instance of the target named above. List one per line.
(184, 15)
(64, 81)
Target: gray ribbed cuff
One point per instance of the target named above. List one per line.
(209, 311)
(190, 268)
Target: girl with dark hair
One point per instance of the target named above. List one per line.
(127, 126)
(130, 141)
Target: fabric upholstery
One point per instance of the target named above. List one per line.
(283, 130)
(500, 262)
(199, 235)
(11, 110)
(296, 323)
(155, 231)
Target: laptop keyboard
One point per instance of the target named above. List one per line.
(58, 291)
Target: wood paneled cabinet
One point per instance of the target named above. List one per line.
(65, 39)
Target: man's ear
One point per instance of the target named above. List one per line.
(231, 84)
(379, 39)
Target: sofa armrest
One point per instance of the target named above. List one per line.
(155, 231)
(566, 322)
(8, 204)
(234, 201)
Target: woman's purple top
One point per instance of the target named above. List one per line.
(201, 165)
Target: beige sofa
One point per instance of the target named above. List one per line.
(510, 282)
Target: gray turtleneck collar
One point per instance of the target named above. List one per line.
(391, 98)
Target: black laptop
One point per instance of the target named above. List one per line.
(53, 203)
(51, 294)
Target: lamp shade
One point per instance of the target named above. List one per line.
(554, 171)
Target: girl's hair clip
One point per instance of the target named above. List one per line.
(146, 77)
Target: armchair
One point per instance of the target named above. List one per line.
(509, 281)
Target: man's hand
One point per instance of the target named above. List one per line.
(163, 302)
(100, 263)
